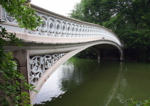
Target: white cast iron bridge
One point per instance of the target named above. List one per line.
(54, 42)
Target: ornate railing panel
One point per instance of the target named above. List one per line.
(39, 64)
(55, 25)
(7, 18)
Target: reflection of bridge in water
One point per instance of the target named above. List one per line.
(54, 42)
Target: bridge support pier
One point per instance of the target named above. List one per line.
(22, 56)
(121, 56)
(98, 52)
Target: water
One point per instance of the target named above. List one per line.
(83, 82)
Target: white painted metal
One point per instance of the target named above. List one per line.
(39, 64)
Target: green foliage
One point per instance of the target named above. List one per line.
(138, 103)
(129, 19)
(10, 85)
(77, 13)
(132, 26)
(94, 11)
(5, 39)
(88, 54)
(22, 12)
(11, 80)
(13, 86)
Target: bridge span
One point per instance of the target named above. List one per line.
(54, 42)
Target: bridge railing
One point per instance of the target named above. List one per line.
(58, 26)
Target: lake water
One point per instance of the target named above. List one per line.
(84, 82)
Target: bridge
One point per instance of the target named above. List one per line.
(54, 42)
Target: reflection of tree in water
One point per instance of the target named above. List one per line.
(75, 72)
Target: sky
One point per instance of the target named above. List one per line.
(62, 7)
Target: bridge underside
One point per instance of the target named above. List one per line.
(107, 52)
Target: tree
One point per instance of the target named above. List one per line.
(77, 13)
(95, 11)
(11, 80)
(132, 25)
(23, 13)
(129, 19)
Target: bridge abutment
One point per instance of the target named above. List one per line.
(98, 52)
(22, 58)
(121, 55)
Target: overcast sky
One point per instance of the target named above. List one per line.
(62, 7)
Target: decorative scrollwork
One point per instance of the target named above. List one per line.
(62, 28)
(43, 27)
(39, 64)
(6, 17)
(55, 26)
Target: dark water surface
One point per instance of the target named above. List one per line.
(83, 82)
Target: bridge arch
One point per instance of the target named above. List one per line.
(63, 59)
(105, 47)
(101, 49)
